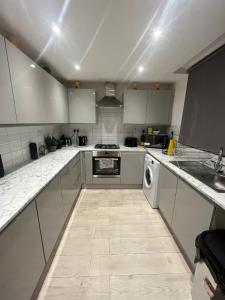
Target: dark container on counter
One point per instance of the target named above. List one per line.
(33, 151)
(2, 172)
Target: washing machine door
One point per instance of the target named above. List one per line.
(148, 177)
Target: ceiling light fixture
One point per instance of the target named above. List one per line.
(140, 69)
(32, 66)
(56, 29)
(157, 33)
(77, 67)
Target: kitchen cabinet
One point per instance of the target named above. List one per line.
(51, 214)
(57, 100)
(88, 167)
(159, 107)
(68, 189)
(132, 167)
(167, 186)
(82, 106)
(21, 256)
(7, 112)
(192, 215)
(39, 98)
(135, 103)
(70, 184)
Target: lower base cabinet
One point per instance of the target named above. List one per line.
(167, 187)
(51, 215)
(28, 241)
(21, 256)
(70, 179)
(192, 215)
(132, 167)
(88, 167)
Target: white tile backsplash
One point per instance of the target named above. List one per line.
(14, 143)
(109, 128)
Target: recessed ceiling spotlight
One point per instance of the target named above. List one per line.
(56, 29)
(32, 66)
(140, 69)
(77, 67)
(157, 33)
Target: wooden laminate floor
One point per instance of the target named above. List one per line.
(116, 247)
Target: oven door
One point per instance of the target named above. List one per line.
(106, 166)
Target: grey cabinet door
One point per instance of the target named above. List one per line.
(167, 186)
(82, 106)
(67, 188)
(51, 214)
(192, 215)
(21, 256)
(135, 103)
(56, 100)
(132, 167)
(39, 98)
(28, 87)
(88, 167)
(7, 111)
(159, 107)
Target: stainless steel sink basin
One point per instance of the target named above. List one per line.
(203, 173)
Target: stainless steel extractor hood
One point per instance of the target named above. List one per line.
(109, 99)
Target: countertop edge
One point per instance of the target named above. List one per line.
(207, 192)
(32, 197)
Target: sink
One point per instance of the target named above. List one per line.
(195, 167)
(203, 173)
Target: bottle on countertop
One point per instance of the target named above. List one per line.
(143, 138)
(172, 145)
(2, 172)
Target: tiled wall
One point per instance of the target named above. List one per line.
(109, 128)
(14, 143)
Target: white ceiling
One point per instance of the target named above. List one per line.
(109, 39)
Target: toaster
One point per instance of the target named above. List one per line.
(131, 142)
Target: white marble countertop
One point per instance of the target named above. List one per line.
(215, 197)
(19, 188)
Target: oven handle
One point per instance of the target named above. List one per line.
(95, 158)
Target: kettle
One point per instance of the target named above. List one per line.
(82, 140)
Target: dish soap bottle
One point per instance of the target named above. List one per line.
(172, 145)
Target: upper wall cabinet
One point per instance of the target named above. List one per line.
(159, 107)
(135, 102)
(147, 107)
(39, 98)
(7, 111)
(57, 104)
(82, 106)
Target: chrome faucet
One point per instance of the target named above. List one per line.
(218, 165)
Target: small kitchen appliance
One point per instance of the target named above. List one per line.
(158, 141)
(82, 140)
(131, 142)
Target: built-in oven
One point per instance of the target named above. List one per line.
(106, 163)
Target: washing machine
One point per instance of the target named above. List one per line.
(150, 179)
